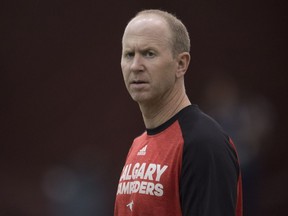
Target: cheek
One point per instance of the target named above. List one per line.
(162, 83)
(168, 75)
(125, 75)
(124, 71)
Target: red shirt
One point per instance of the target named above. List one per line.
(187, 166)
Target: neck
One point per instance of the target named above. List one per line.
(157, 113)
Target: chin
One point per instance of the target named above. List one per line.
(139, 98)
(142, 97)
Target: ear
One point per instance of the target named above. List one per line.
(183, 61)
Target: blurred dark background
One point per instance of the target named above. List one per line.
(67, 121)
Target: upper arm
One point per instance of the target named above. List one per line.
(209, 176)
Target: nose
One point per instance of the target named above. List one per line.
(136, 64)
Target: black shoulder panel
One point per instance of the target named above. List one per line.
(210, 168)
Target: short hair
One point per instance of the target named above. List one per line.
(180, 36)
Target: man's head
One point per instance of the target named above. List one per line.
(180, 40)
(155, 56)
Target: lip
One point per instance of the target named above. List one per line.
(138, 84)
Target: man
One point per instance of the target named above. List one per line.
(184, 163)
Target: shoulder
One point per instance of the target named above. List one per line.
(197, 126)
(210, 169)
(202, 135)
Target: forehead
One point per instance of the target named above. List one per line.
(146, 30)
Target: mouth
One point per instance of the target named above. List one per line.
(138, 84)
(138, 81)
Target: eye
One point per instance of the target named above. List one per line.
(129, 55)
(149, 54)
